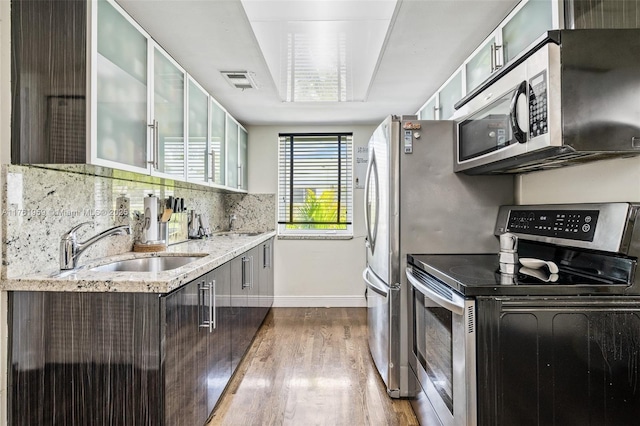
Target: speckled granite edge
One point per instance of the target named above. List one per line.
(216, 251)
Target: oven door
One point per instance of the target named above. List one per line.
(444, 345)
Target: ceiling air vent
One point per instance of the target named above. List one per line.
(240, 79)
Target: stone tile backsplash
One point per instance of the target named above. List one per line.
(40, 204)
(254, 213)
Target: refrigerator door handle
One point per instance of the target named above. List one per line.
(371, 172)
(374, 285)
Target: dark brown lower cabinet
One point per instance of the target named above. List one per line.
(196, 347)
(245, 289)
(83, 358)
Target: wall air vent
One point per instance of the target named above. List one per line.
(240, 79)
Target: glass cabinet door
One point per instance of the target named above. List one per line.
(428, 112)
(232, 153)
(217, 126)
(197, 149)
(242, 159)
(168, 113)
(449, 95)
(480, 66)
(525, 26)
(121, 112)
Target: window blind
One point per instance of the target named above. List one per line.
(316, 67)
(315, 181)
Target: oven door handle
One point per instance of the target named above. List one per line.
(371, 284)
(456, 305)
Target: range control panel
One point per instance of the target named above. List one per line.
(570, 224)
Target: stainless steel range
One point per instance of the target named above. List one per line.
(555, 340)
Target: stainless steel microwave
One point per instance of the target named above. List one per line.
(573, 98)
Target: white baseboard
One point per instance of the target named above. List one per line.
(319, 302)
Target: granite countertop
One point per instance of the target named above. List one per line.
(215, 251)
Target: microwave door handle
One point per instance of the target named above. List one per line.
(456, 306)
(518, 133)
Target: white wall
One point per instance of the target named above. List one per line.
(311, 272)
(5, 144)
(601, 181)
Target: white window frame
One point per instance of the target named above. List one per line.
(348, 182)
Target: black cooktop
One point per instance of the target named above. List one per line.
(479, 275)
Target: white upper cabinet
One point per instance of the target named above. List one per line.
(232, 152)
(149, 116)
(168, 117)
(120, 101)
(525, 25)
(440, 105)
(197, 138)
(449, 94)
(242, 158)
(521, 28)
(482, 63)
(429, 110)
(218, 147)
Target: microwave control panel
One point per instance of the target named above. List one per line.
(538, 124)
(569, 224)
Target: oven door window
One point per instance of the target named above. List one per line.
(491, 129)
(433, 345)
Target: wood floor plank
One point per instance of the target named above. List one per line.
(310, 366)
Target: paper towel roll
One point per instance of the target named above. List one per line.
(150, 229)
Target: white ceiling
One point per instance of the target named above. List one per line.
(426, 42)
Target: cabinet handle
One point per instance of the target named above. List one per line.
(213, 166)
(214, 307)
(156, 145)
(266, 253)
(245, 284)
(495, 64)
(251, 275)
(264, 256)
(240, 177)
(204, 323)
(212, 304)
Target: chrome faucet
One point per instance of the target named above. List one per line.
(71, 249)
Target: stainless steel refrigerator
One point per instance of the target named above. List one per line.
(415, 203)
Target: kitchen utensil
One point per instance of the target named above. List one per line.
(532, 263)
(194, 225)
(205, 229)
(166, 215)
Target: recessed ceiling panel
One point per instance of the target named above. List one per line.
(326, 51)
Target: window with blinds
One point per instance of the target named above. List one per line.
(315, 189)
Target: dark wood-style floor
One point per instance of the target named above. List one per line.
(310, 366)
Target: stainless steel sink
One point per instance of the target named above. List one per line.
(147, 264)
